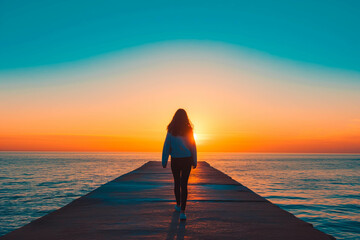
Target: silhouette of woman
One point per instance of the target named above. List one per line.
(180, 144)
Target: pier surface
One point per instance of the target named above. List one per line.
(140, 205)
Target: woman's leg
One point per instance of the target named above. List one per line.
(176, 174)
(185, 173)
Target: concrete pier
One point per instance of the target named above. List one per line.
(140, 205)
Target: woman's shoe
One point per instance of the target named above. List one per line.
(177, 208)
(182, 216)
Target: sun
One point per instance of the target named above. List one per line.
(195, 136)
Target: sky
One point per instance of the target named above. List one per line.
(254, 76)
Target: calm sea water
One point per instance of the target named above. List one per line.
(322, 189)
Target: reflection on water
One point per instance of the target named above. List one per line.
(320, 189)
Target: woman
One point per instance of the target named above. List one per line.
(180, 144)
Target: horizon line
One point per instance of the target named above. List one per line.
(56, 151)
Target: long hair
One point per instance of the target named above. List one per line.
(180, 124)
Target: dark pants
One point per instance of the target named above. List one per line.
(181, 168)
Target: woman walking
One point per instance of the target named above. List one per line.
(180, 144)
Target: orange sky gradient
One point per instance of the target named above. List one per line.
(239, 101)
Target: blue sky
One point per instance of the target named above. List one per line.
(42, 33)
(276, 75)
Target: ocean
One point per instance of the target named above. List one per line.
(322, 189)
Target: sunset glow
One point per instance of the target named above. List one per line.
(109, 77)
(234, 104)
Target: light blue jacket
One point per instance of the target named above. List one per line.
(178, 147)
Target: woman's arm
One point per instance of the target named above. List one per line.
(166, 150)
(193, 151)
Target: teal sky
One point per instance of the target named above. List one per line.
(42, 33)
